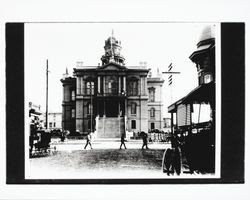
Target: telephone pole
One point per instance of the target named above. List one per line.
(170, 82)
(170, 79)
(47, 85)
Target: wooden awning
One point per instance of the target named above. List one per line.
(204, 93)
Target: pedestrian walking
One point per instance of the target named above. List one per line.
(123, 141)
(63, 136)
(144, 139)
(88, 138)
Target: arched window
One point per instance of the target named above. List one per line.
(133, 87)
(73, 113)
(89, 109)
(151, 93)
(112, 87)
(133, 108)
(111, 84)
(207, 78)
(90, 87)
(152, 112)
(73, 95)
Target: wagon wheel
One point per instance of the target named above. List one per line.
(167, 161)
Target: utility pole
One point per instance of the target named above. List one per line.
(170, 79)
(47, 85)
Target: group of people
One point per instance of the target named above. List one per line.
(143, 135)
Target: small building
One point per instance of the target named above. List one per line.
(111, 98)
(54, 120)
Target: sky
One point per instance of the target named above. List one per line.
(64, 44)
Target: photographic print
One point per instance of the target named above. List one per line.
(122, 100)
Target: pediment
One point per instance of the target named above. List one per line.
(112, 67)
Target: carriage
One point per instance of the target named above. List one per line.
(39, 143)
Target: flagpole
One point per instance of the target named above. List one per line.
(112, 53)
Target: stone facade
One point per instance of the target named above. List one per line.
(112, 98)
(68, 104)
(155, 104)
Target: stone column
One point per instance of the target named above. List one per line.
(119, 108)
(124, 84)
(141, 86)
(78, 85)
(125, 115)
(126, 109)
(119, 85)
(98, 84)
(97, 108)
(82, 86)
(104, 85)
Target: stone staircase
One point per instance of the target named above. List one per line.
(110, 127)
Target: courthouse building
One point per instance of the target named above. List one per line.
(111, 98)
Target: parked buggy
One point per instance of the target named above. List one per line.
(191, 152)
(40, 143)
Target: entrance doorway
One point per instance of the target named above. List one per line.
(152, 126)
(111, 108)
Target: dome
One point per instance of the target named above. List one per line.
(207, 33)
(113, 40)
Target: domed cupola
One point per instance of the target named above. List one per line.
(204, 55)
(208, 34)
(112, 51)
